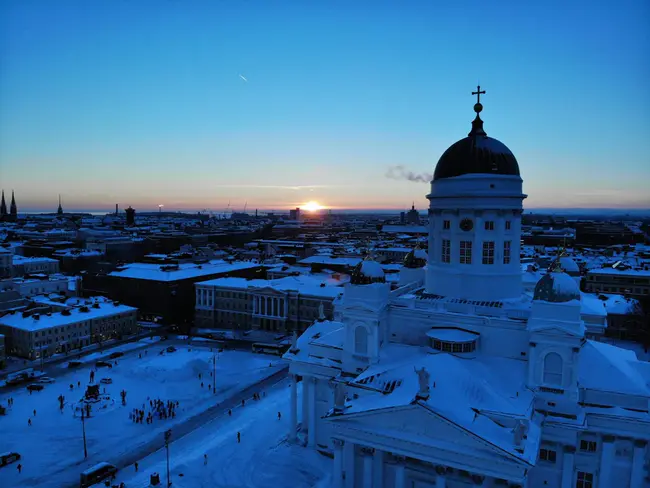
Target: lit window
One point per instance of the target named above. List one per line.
(553, 369)
(488, 252)
(446, 224)
(547, 455)
(506, 252)
(446, 251)
(465, 252)
(489, 225)
(584, 480)
(508, 223)
(446, 346)
(588, 446)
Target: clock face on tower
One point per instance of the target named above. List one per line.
(466, 225)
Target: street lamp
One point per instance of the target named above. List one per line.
(83, 427)
(168, 435)
(214, 373)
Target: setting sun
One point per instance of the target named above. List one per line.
(312, 206)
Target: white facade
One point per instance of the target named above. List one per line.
(466, 380)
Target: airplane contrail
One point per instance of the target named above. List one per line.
(243, 78)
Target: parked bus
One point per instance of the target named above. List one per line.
(23, 376)
(97, 473)
(264, 348)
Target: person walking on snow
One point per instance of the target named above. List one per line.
(29, 422)
(238, 437)
(205, 459)
(136, 466)
(279, 415)
(20, 468)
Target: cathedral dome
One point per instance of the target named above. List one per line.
(556, 287)
(367, 272)
(476, 154)
(416, 258)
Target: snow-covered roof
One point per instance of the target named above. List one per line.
(621, 272)
(58, 319)
(609, 368)
(157, 272)
(557, 288)
(304, 284)
(18, 259)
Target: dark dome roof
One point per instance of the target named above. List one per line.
(477, 153)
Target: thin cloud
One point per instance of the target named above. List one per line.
(399, 172)
(243, 78)
(280, 187)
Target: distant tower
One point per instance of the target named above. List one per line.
(3, 206)
(116, 209)
(59, 211)
(130, 216)
(13, 209)
(413, 217)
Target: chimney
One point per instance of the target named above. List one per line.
(116, 209)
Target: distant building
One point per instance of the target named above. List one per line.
(33, 335)
(294, 214)
(37, 285)
(130, 216)
(6, 263)
(625, 281)
(281, 305)
(412, 216)
(165, 291)
(32, 265)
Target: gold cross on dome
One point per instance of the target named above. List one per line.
(478, 93)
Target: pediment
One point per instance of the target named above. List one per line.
(422, 427)
(359, 307)
(556, 330)
(269, 291)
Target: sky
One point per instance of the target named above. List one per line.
(270, 104)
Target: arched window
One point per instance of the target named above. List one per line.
(361, 340)
(553, 369)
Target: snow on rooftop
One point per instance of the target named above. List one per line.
(450, 334)
(157, 272)
(57, 319)
(305, 284)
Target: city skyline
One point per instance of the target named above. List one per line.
(277, 106)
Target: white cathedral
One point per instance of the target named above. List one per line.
(459, 377)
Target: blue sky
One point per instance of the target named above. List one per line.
(140, 102)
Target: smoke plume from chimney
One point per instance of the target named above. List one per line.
(399, 172)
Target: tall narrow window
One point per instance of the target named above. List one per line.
(489, 225)
(361, 340)
(508, 224)
(488, 252)
(506, 252)
(584, 480)
(553, 369)
(446, 251)
(446, 224)
(465, 252)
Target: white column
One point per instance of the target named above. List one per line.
(636, 480)
(305, 404)
(254, 305)
(400, 473)
(337, 481)
(294, 409)
(349, 464)
(606, 462)
(367, 468)
(567, 467)
(311, 436)
(441, 481)
(378, 473)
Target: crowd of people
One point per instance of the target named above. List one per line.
(157, 409)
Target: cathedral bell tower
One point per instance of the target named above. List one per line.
(475, 219)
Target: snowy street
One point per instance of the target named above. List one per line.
(50, 440)
(263, 459)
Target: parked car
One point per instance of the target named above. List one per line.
(74, 364)
(8, 458)
(115, 355)
(103, 364)
(35, 387)
(171, 349)
(106, 381)
(45, 380)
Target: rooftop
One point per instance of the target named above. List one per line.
(157, 272)
(304, 284)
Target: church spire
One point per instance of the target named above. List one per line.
(477, 123)
(60, 209)
(13, 209)
(3, 205)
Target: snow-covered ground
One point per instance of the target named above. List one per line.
(52, 447)
(263, 459)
